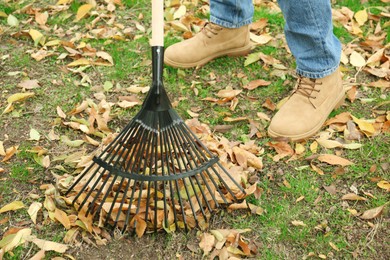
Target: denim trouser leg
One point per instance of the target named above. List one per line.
(309, 34)
(231, 13)
(308, 30)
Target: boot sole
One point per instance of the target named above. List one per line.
(339, 102)
(232, 53)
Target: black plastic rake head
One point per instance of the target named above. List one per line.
(156, 172)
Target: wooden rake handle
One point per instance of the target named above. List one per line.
(157, 23)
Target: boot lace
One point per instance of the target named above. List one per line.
(211, 30)
(307, 88)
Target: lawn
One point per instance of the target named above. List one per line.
(325, 197)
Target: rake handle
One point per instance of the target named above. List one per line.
(157, 23)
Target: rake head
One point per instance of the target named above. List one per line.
(156, 173)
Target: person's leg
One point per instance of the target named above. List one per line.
(309, 34)
(226, 34)
(317, 51)
(231, 13)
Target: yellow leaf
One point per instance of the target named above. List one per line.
(53, 43)
(62, 2)
(37, 37)
(384, 185)
(33, 211)
(62, 218)
(298, 223)
(11, 241)
(15, 205)
(180, 12)
(299, 148)
(79, 62)
(366, 127)
(361, 17)
(20, 97)
(2, 14)
(83, 11)
(352, 196)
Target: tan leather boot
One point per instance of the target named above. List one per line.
(211, 42)
(308, 107)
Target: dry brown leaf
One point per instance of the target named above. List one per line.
(228, 93)
(334, 160)
(269, 104)
(29, 84)
(372, 213)
(9, 153)
(352, 196)
(256, 83)
(62, 217)
(60, 113)
(140, 227)
(207, 243)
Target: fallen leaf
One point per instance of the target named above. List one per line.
(334, 160)
(39, 255)
(34, 135)
(15, 205)
(366, 127)
(33, 211)
(29, 84)
(361, 17)
(11, 241)
(357, 60)
(62, 217)
(49, 245)
(105, 56)
(384, 185)
(18, 97)
(206, 243)
(256, 83)
(352, 196)
(83, 11)
(12, 21)
(372, 213)
(37, 37)
(298, 223)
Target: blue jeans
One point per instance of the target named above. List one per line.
(308, 30)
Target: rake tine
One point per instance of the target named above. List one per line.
(114, 201)
(176, 137)
(177, 185)
(167, 150)
(128, 212)
(149, 162)
(186, 137)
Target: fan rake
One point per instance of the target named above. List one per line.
(156, 173)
